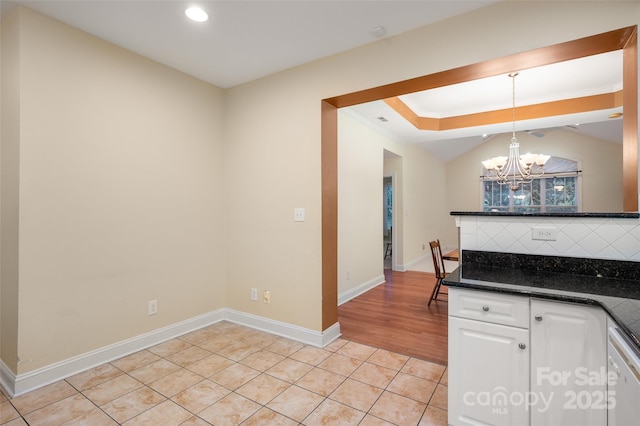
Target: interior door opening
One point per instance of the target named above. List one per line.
(387, 220)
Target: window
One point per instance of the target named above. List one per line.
(555, 192)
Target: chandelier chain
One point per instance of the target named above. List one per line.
(513, 103)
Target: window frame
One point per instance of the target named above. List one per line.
(543, 207)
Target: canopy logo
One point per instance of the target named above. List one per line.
(578, 397)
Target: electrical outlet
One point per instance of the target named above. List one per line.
(254, 294)
(267, 296)
(153, 307)
(298, 214)
(545, 234)
(348, 274)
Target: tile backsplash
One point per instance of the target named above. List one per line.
(586, 237)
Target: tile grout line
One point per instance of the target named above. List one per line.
(312, 366)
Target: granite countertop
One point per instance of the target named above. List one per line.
(620, 297)
(621, 215)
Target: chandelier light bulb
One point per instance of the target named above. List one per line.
(542, 159)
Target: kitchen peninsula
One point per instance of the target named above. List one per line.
(535, 298)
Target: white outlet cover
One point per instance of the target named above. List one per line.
(298, 214)
(544, 234)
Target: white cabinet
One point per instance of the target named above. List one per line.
(568, 363)
(496, 308)
(491, 364)
(488, 361)
(546, 369)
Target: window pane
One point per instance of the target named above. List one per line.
(561, 194)
(496, 196)
(522, 197)
(504, 195)
(549, 194)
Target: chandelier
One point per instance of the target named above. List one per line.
(515, 169)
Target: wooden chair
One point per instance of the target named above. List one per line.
(438, 265)
(388, 245)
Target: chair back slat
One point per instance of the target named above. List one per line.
(438, 261)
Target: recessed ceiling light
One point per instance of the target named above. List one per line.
(196, 14)
(615, 115)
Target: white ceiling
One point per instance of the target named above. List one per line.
(246, 40)
(571, 79)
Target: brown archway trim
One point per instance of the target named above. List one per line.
(624, 38)
(527, 112)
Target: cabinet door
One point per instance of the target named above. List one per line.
(488, 373)
(568, 364)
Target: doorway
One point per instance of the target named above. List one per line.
(387, 221)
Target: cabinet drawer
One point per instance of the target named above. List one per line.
(490, 307)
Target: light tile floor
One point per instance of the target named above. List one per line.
(227, 374)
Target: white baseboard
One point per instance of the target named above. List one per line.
(7, 378)
(16, 385)
(362, 288)
(414, 262)
(290, 331)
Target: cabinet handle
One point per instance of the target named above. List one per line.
(522, 346)
(485, 308)
(538, 317)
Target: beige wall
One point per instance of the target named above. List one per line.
(425, 215)
(600, 162)
(136, 184)
(9, 177)
(273, 137)
(120, 201)
(360, 247)
(272, 157)
(420, 211)
(1, 127)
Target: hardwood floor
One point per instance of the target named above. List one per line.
(395, 316)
